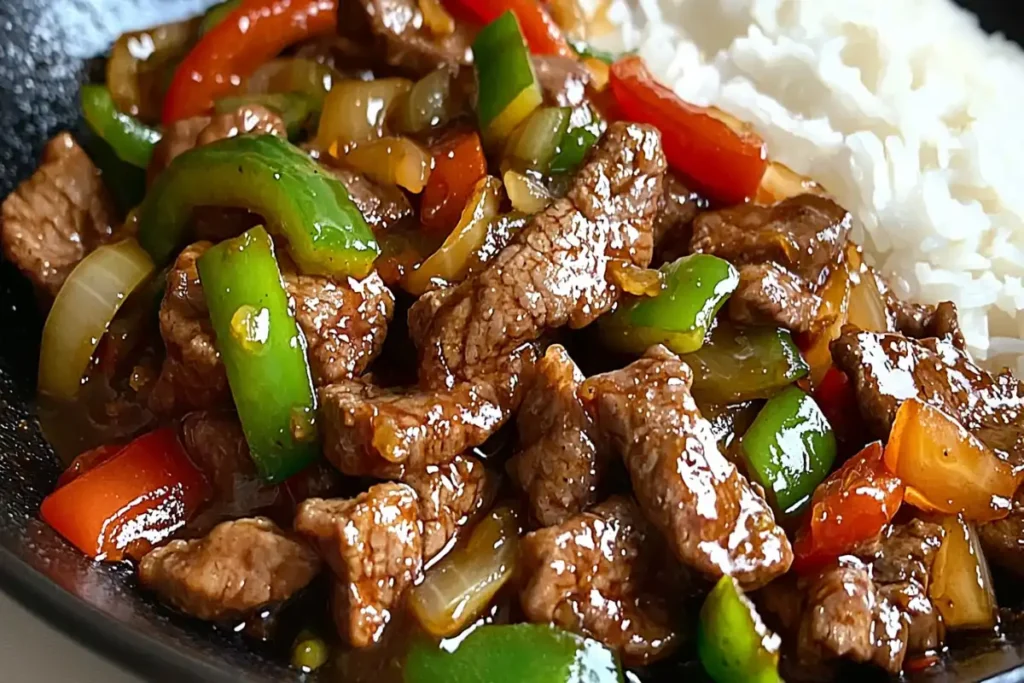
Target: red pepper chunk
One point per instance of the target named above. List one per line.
(850, 507)
(458, 164)
(131, 502)
(540, 31)
(249, 36)
(87, 461)
(725, 164)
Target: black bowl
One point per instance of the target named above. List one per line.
(44, 50)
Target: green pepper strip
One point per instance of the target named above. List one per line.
(264, 353)
(295, 108)
(790, 448)
(131, 140)
(303, 203)
(733, 645)
(507, 87)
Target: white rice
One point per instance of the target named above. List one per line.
(903, 109)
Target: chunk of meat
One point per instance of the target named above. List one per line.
(711, 517)
(887, 369)
(554, 272)
(403, 39)
(374, 545)
(592, 574)
(450, 496)
(920, 321)
(673, 228)
(557, 465)
(383, 206)
(57, 216)
(563, 80)
(1003, 539)
(237, 568)
(768, 294)
(216, 444)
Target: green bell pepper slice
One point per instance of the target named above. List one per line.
(733, 644)
(295, 108)
(519, 653)
(131, 140)
(264, 353)
(300, 201)
(507, 87)
(790, 448)
(695, 287)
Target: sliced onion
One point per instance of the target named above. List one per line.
(780, 182)
(534, 143)
(82, 311)
(867, 308)
(835, 297)
(136, 66)
(391, 161)
(569, 16)
(961, 587)
(292, 74)
(459, 588)
(437, 19)
(599, 73)
(451, 261)
(525, 193)
(635, 280)
(355, 111)
(429, 104)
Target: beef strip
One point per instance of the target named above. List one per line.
(592, 574)
(402, 39)
(768, 294)
(712, 518)
(216, 444)
(375, 547)
(383, 206)
(57, 216)
(1003, 539)
(919, 321)
(557, 465)
(450, 496)
(673, 228)
(563, 80)
(236, 568)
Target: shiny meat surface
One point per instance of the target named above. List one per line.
(920, 321)
(450, 496)
(383, 206)
(557, 464)
(591, 574)
(710, 515)
(768, 294)
(56, 217)
(236, 568)
(403, 40)
(1003, 539)
(673, 228)
(563, 80)
(216, 444)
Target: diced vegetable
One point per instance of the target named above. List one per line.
(633, 279)
(459, 164)
(293, 75)
(587, 51)
(355, 111)
(535, 142)
(539, 30)
(459, 588)
(835, 298)
(724, 164)
(390, 161)
(264, 353)
(436, 17)
(525, 193)
(248, 36)
(309, 653)
(520, 653)
(867, 309)
(696, 286)
(217, 14)
(131, 140)
(295, 109)
(131, 502)
(87, 461)
(961, 586)
(852, 506)
(838, 401)
(429, 104)
(733, 644)
(780, 182)
(82, 311)
(577, 141)
(126, 182)
(945, 467)
(790, 448)
(743, 363)
(507, 87)
(326, 233)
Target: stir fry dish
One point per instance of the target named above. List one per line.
(424, 343)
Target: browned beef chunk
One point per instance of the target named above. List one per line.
(887, 369)
(768, 294)
(673, 228)
(592, 574)
(710, 515)
(383, 206)
(1003, 539)
(216, 444)
(374, 545)
(450, 496)
(919, 321)
(558, 463)
(563, 80)
(403, 39)
(56, 217)
(238, 567)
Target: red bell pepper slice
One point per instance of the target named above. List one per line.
(458, 164)
(133, 501)
(850, 507)
(838, 401)
(253, 33)
(542, 34)
(725, 164)
(87, 461)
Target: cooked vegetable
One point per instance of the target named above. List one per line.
(790, 448)
(535, 142)
(459, 164)
(87, 461)
(459, 588)
(264, 353)
(247, 37)
(539, 30)
(82, 310)
(507, 87)
(295, 108)
(309, 653)
(526, 194)
(743, 363)
(217, 14)
(131, 502)
(587, 51)
(733, 643)
(838, 401)
(724, 164)
(355, 111)
(780, 182)
(131, 140)
(430, 103)
(961, 585)
(520, 653)
(696, 286)
(436, 17)
(633, 279)
(326, 233)
(577, 141)
(292, 75)
(390, 161)
(852, 506)
(945, 467)
(835, 297)
(867, 308)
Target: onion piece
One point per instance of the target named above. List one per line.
(835, 296)
(355, 111)
(867, 308)
(135, 70)
(525, 193)
(961, 587)
(634, 279)
(569, 16)
(459, 588)
(83, 310)
(429, 104)
(391, 161)
(534, 143)
(436, 18)
(292, 74)
(599, 73)
(780, 182)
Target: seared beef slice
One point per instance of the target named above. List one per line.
(709, 514)
(402, 37)
(450, 495)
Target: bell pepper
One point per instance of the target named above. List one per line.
(458, 164)
(300, 200)
(724, 164)
(295, 108)
(849, 508)
(733, 644)
(541, 32)
(264, 353)
(507, 87)
(945, 467)
(88, 460)
(838, 401)
(790, 448)
(695, 288)
(519, 653)
(586, 50)
(131, 140)
(575, 143)
(131, 502)
(232, 49)
(217, 14)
